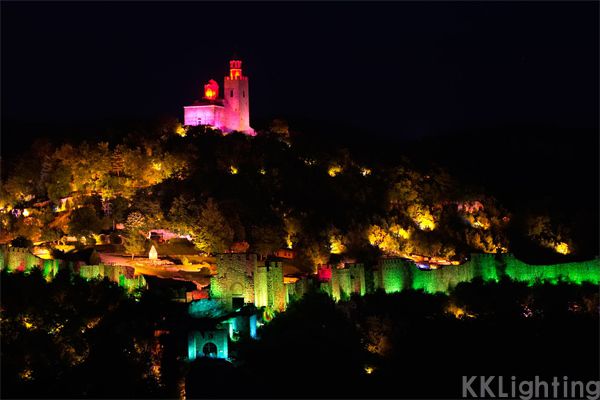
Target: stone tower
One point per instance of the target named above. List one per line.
(230, 113)
(236, 99)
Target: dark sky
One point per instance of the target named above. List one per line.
(402, 68)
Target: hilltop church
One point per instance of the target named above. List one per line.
(229, 113)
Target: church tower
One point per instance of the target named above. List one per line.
(236, 99)
(230, 113)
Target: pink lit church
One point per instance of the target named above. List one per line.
(230, 113)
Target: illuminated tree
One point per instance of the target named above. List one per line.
(59, 184)
(117, 161)
(378, 331)
(135, 242)
(214, 235)
(119, 206)
(84, 222)
(266, 239)
(135, 221)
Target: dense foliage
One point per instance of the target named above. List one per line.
(275, 190)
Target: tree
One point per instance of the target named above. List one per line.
(135, 221)
(215, 233)
(210, 230)
(59, 184)
(135, 242)
(266, 239)
(117, 162)
(84, 222)
(119, 206)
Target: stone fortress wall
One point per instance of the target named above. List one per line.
(395, 274)
(21, 259)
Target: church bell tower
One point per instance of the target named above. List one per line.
(236, 99)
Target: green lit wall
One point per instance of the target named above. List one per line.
(394, 274)
(15, 258)
(124, 276)
(489, 267)
(576, 272)
(357, 276)
(345, 283)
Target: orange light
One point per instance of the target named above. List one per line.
(211, 90)
(209, 93)
(562, 248)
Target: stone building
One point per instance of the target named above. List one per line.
(340, 283)
(228, 113)
(208, 343)
(269, 288)
(233, 284)
(390, 274)
(240, 280)
(122, 275)
(21, 259)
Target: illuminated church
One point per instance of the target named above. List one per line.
(229, 113)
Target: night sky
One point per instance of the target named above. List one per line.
(407, 69)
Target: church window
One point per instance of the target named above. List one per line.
(231, 95)
(243, 93)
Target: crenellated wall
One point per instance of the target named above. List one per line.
(234, 281)
(394, 275)
(269, 288)
(341, 283)
(123, 275)
(21, 259)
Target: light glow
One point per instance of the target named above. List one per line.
(336, 246)
(211, 90)
(400, 231)
(180, 130)
(334, 170)
(562, 248)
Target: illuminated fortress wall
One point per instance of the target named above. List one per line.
(275, 287)
(269, 288)
(122, 275)
(297, 289)
(392, 274)
(395, 275)
(358, 280)
(211, 343)
(341, 283)
(576, 272)
(233, 284)
(21, 259)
